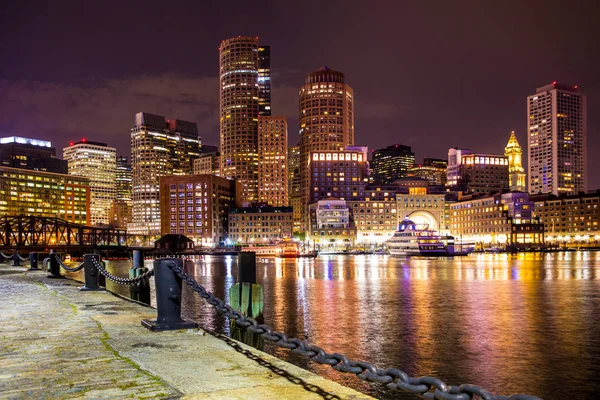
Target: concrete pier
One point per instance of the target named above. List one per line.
(58, 342)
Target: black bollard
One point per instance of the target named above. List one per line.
(33, 261)
(247, 267)
(168, 298)
(54, 266)
(91, 274)
(16, 259)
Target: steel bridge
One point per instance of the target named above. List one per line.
(47, 232)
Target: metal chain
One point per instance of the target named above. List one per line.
(122, 281)
(62, 264)
(22, 258)
(425, 387)
(4, 255)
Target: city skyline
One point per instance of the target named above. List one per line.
(441, 96)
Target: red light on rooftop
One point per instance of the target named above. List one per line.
(71, 144)
(83, 140)
(575, 86)
(554, 82)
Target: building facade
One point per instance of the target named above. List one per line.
(97, 162)
(326, 119)
(504, 220)
(208, 163)
(239, 111)
(375, 216)
(26, 153)
(46, 194)
(516, 172)
(272, 161)
(197, 206)
(340, 174)
(453, 169)
(571, 221)
(483, 173)
(264, 80)
(557, 140)
(391, 163)
(330, 226)
(255, 225)
(159, 147)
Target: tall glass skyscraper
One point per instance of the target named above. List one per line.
(391, 163)
(264, 80)
(557, 140)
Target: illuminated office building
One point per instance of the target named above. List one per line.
(272, 161)
(340, 174)
(453, 169)
(557, 140)
(159, 147)
(119, 213)
(326, 118)
(264, 80)
(207, 163)
(97, 162)
(26, 153)
(260, 224)
(483, 173)
(197, 206)
(45, 194)
(239, 110)
(391, 163)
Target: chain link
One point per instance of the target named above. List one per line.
(425, 387)
(22, 258)
(5, 256)
(62, 264)
(122, 281)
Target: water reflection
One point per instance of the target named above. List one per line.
(510, 323)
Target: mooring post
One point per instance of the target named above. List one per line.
(90, 272)
(54, 266)
(141, 290)
(16, 259)
(247, 297)
(33, 261)
(168, 298)
(101, 278)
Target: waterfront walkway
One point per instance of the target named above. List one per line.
(57, 342)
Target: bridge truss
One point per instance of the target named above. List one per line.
(25, 231)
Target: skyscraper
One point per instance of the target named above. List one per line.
(391, 163)
(25, 153)
(264, 80)
(557, 140)
(159, 147)
(516, 172)
(326, 118)
(272, 161)
(239, 110)
(97, 162)
(119, 214)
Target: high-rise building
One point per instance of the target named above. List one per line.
(339, 174)
(294, 185)
(326, 119)
(198, 206)
(516, 172)
(557, 140)
(483, 173)
(434, 175)
(97, 162)
(391, 163)
(239, 110)
(124, 179)
(158, 148)
(272, 161)
(46, 194)
(453, 169)
(264, 80)
(25, 153)
(435, 162)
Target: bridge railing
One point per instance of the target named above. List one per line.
(169, 274)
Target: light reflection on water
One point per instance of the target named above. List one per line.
(525, 323)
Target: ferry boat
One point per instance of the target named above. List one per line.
(411, 240)
(288, 250)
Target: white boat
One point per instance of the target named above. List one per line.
(411, 240)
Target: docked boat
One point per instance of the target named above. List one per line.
(411, 240)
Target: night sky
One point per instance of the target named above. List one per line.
(431, 75)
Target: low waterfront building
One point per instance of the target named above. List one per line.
(197, 206)
(570, 220)
(46, 194)
(26, 153)
(260, 224)
(331, 229)
(504, 220)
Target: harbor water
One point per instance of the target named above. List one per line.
(525, 323)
